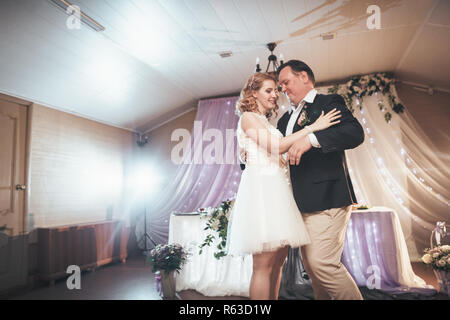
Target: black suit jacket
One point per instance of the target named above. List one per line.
(321, 181)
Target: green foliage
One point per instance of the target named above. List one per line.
(218, 224)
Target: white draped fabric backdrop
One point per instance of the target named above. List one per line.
(397, 166)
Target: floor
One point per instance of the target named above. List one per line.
(132, 280)
(425, 273)
(135, 281)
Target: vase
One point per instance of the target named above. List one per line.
(443, 279)
(168, 284)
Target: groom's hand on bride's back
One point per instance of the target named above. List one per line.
(297, 150)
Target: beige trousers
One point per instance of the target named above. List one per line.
(322, 258)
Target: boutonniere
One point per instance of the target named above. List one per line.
(303, 120)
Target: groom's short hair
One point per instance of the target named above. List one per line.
(298, 66)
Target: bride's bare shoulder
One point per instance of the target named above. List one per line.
(250, 120)
(248, 115)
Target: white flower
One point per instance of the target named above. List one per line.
(215, 224)
(448, 261)
(442, 263)
(427, 259)
(436, 254)
(445, 248)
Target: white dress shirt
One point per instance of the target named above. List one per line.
(311, 95)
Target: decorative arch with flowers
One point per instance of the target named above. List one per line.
(367, 85)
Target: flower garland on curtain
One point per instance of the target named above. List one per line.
(218, 223)
(367, 85)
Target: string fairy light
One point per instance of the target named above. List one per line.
(390, 180)
(358, 192)
(408, 161)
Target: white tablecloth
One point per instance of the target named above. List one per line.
(228, 276)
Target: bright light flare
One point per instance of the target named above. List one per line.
(144, 180)
(102, 179)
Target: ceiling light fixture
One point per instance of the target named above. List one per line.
(143, 140)
(428, 90)
(63, 4)
(328, 36)
(225, 54)
(272, 59)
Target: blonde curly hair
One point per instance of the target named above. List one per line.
(247, 101)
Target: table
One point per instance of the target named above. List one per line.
(229, 276)
(375, 254)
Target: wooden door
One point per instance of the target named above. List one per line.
(13, 126)
(14, 241)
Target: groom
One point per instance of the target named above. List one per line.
(320, 180)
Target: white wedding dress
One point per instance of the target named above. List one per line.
(265, 215)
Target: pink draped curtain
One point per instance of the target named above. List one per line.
(196, 183)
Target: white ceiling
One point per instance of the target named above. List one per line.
(157, 58)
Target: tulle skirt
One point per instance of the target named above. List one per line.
(265, 215)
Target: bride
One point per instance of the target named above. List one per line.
(265, 219)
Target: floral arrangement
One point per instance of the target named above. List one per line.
(367, 85)
(218, 223)
(438, 257)
(168, 257)
(303, 120)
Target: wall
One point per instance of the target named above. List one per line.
(159, 148)
(432, 113)
(77, 169)
(77, 175)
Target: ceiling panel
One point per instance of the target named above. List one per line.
(441, 14)
(157, 57)
(426, 62)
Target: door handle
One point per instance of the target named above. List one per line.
(21, 187)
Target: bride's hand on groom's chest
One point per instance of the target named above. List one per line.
(309, 115)
(314, 113)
